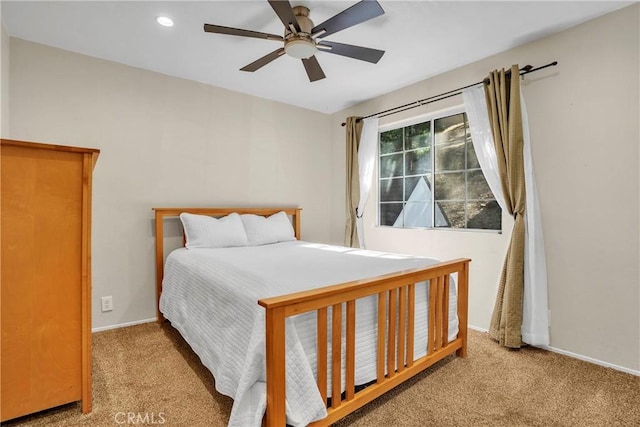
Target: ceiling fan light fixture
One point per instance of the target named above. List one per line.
(300, 48)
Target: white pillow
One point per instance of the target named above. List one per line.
(202, 231)
(273, 229)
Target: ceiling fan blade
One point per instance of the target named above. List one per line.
(255, 65)
(314, 71)
(351, 51)
(283, 9)
(219, 29)
(359, 12)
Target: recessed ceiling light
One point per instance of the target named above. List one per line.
(165, 21)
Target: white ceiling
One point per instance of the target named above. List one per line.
(421, 39)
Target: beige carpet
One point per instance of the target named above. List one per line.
(149, 371)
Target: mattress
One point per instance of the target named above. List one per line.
(210, 296)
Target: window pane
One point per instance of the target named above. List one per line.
(450, 156)
(417, 135)
(389, 214)
(477, 187)
(484, 215)
(418, 161)
(391, 141)
(452, 214)
(450, 129)
(417, 214)
(472, 159)
(449, 186)
(417, 188)
(391, 165)
(391, 190)
(451, 135)
(440, 220)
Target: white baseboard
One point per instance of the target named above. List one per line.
(122, 325)
(575, 356)
(592, 360)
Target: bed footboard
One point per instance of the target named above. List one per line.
(396, 295)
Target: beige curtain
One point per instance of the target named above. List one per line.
(505, 115)
(354, 131)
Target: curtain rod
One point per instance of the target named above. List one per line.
(524, 70)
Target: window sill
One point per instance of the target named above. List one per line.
(461, 230)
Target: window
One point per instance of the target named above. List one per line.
(429, 177)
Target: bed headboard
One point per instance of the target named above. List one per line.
(162, 213)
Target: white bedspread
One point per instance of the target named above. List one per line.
(210, 296)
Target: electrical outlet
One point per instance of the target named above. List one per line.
(107, 303)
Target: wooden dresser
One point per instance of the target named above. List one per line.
(46, 276)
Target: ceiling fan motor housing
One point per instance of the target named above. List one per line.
(300, 45)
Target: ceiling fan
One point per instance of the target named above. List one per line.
(302, 39)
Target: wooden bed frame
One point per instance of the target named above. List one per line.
(398, 289)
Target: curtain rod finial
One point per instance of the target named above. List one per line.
(358, 119)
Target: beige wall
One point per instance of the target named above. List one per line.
(164, 142)
(584, 118)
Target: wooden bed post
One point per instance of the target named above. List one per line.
(276, 378)
(463, 303)
(159, 261)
